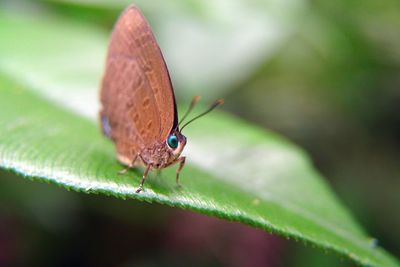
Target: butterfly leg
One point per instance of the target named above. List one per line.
(126, 169)
(181, 164)
(146, 171)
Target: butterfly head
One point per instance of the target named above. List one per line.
(176, 142)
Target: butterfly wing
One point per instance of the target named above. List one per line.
(136, 93)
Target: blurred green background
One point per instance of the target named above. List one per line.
(324, 74)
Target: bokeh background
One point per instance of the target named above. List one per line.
(324, 74)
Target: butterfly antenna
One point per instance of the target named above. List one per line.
(217, 103)
(195, 100)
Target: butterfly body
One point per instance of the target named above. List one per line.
(138, 105)
(138, 111)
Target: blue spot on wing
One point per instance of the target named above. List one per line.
(105, 125)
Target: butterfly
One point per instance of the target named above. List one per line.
(139, 111)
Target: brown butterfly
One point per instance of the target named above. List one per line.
(138, 104)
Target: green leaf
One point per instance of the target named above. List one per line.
(49, 72)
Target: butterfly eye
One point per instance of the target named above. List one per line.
(172, 141)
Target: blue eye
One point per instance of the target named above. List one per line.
(172, 141)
